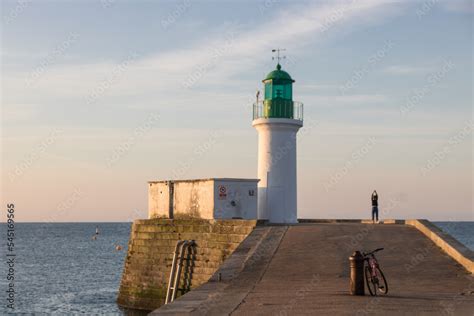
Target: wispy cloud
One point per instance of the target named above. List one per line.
(249, 47)
(406, 70)
(317, 87)
(463, 6)
(352, 99)
(19, 112)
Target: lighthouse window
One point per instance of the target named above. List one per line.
(273, 91)
(282, 91)
(268, 91)
(279, 92)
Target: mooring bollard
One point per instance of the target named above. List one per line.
(357, 273)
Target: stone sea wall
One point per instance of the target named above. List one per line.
(150, 254)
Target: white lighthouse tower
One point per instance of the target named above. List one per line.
(277, 119)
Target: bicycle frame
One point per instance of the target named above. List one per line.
(373, 264)
(371, 260)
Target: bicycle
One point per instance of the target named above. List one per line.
(374, 276)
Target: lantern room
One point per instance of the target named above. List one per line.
(278, 101)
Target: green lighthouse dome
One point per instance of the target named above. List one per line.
(278, 102)
(278, 75)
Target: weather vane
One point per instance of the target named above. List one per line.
(278, 57)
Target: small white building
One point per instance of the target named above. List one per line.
(215, 198)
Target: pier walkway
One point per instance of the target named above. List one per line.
(304, 269)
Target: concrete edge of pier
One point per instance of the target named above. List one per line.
(446, 242)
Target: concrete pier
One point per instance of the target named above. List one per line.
(304, 269)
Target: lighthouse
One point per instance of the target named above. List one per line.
(277, 119)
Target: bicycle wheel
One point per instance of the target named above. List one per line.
(382, 285)
(369, 281)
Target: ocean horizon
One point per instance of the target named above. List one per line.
(61, 269)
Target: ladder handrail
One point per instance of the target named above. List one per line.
(173, 270)
(176, 266)
(185, 246)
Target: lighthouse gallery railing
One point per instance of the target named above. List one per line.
(259, 111)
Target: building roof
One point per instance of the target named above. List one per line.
(207, 179)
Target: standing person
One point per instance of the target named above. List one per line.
(375, 207)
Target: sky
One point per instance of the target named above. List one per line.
(99, 97)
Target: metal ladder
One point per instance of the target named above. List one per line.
(182, 246)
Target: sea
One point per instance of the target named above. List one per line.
(59, 268)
